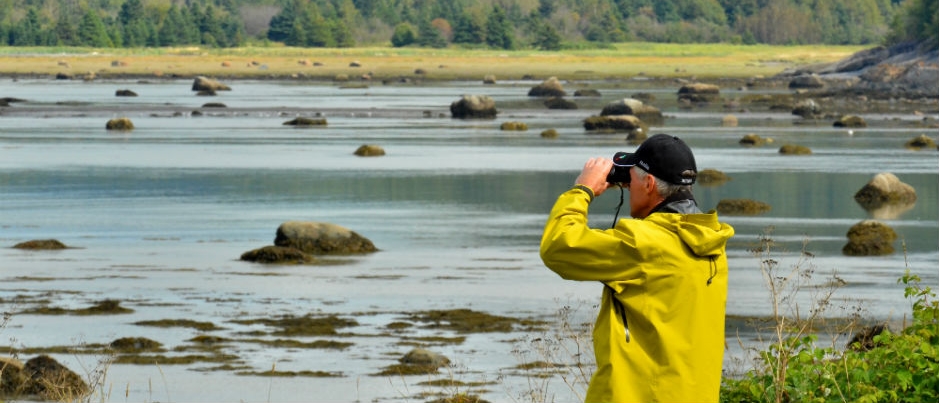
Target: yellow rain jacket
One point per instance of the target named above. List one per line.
(659, 336)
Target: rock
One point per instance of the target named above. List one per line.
(513, 126)
(648, 114)
(369, 150)
(742, 207)
(135, 345)
(869, 238)
(807, 81)
(729, 121)
(794, 149)
(863, 340)
(920, 142)
(202, 83)
(474, 107)
(41, 244)
(322, 238)
(489, 79)
(355, 63)
(807, 109)
(214, 105)
(13, 381)
(206, 93)
(305, 122)
(125, 93)
(420, 356)
(53, 381)
(63, 76)
(710, 177)
(587, 92)
(549, 134)
(698, 92)
(850, 121)
(645, 97)
(123, 124)
(420, 71)
(548, 88)
(627, 123)
(884, 188)
(278, 255)
(559, 103)
(752, 139)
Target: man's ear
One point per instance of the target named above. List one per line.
(650, 184)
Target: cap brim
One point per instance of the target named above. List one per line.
(625, 159)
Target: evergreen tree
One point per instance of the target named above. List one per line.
(281, 25)
(468, 30)
(92, 32)
(547, 38)
(499, 30)
(428, 36)
(28, 32)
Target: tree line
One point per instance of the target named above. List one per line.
(501, 24)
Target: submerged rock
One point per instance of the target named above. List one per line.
(742, 207)
(711, 177)
(41, 244)
(305, 122)
(277, 254)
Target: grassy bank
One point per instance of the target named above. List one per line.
(623, 61)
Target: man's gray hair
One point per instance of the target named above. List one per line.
(664, 188)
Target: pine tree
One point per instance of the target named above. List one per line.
(92, 32)
(498, 30)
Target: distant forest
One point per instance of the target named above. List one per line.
(500, 24)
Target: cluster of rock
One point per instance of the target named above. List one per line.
(299, 242)
(884, 197)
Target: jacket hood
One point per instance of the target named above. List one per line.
(702, 233)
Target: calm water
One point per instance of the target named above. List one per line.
(159, 216)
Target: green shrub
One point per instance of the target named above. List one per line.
(901, 367)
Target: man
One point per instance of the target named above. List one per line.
(659, 336)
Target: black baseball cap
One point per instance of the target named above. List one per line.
(664, 156)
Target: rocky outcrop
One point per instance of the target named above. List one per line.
(474, 107)
(884, 188)
(319, 238)
(742, 207)
(548, 88)
(277, 255)
(369, 150)
(41, 244)
(120, 124)
(202, 83)
(869, 238)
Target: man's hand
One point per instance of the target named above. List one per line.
(594, 175)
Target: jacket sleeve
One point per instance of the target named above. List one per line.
(575, 251)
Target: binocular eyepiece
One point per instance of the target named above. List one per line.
(619, 173)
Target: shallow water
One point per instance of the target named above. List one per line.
(158, 217)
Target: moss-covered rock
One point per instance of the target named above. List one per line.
(921, 142)
(320, 238)
(51, 380)
(474, 107)
(119, 124)
(711, 177)
(369, 150)
(549, 134)
(278, 255)
(513, 126)
(550, 87)
(884, 188)
(41, 244)
(869, 238)
(742, 207)
(305, 122)
(794, 149)
(752, 139)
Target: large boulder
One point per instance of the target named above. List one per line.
(320, 238)
(614, 123)
(202, 83)
(869, 238)
(51, 380)
(884, 188)
(698, 92)
(631, 106)
(119, 124)
(474, 107)
(852, 121)
(369, 150)
(806, 81)
(548, 88)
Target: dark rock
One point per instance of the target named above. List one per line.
(322, 238)
(53, 381)
(121, 124)
(548, 88)
(304, 122)
(627, 123)
(135, 345)
(12, 379)
(869, 238)
(752, 139)
(41, 244)
(807, 81)
(807, 109)
(920, 142)
(794, 149)
(369, 150)
(125, 93)
(711, 177)
(742, 207)
(586, 92)
(277, 254)
(698, 93)
(559, 103)
(214, 105)
(474, 107)
(850, 121)
(202, 83)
